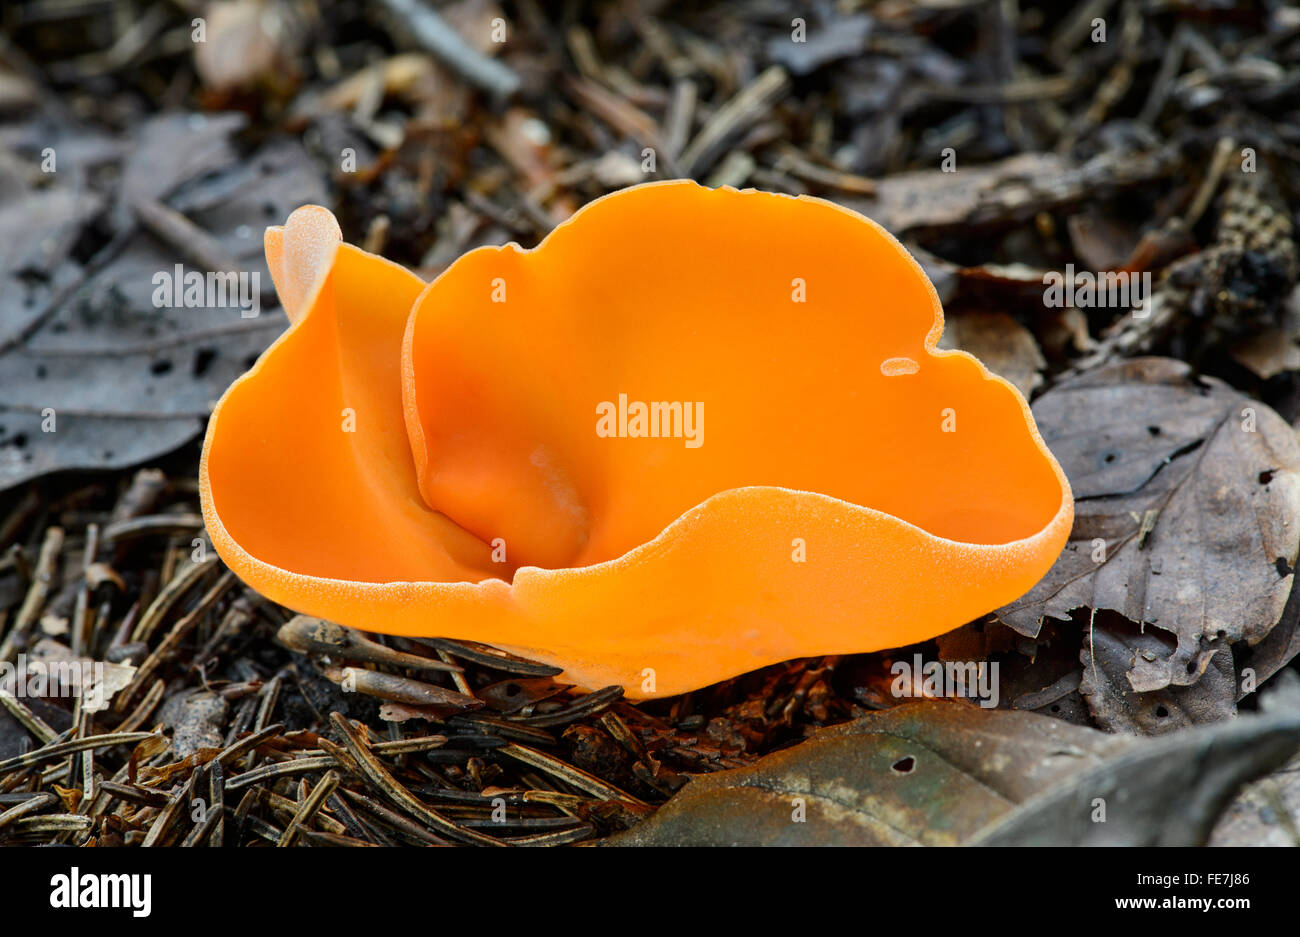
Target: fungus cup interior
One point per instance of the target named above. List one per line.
(678, 294)
(433, 437)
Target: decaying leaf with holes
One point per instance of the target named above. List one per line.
(929, 773)
(119, 358)
(948, 773)
(1188, 525)
(1112, 645)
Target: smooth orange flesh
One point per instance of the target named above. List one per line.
(852, 489)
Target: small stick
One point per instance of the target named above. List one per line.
(81, 614)
(458, 676)
(37, 592)
(266, 706)
(281, 769)
(24, 512)
(490, 657)
(233, 752)
(680, 117)
(174, 637)
(146, 706)
(175, 230)
(39, 802)
(162, 824)
(587, 705)
(318, 636)
(60, 823)
(434, 35)
(399, 689)
(399, 823)
(748, 105)
(558, 838)
(166, 524)
(32, 722)
(135, 794)
(217, 803)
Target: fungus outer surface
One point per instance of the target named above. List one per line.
(465, 459)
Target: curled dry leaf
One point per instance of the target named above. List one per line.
(1273, 349)
(1187, 517)
(1109, 649)
(107, 681)
(247, 40)
(1269, 656)
(1267, 812)
(95, 681)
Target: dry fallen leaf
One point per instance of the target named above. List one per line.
(1015, 188)
(1162, 792)
(195, 718)
(1109, 649)
(1102, 241)
(95, 681)
(1187, 519)
(946, 773)
(165, 366)
(246, 41)
(1004, 345)
(929, 773)
(1273, 350)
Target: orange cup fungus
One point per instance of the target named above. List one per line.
(694, 432)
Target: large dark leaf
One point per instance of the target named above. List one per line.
(931, 773)
(946, 773)
(1163, 792)
(1265, 812)
(123, 380)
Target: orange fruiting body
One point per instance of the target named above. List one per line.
(692, 433)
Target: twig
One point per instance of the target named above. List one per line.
(37, 592)
(175, 230)
(743, 110)
(434, 34)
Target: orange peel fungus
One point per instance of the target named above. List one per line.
(694, 432)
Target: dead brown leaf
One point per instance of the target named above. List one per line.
(246, 41)
(1112, 644)
(946, 773)
(1187, 519)
(1004, 345)
(926, 773)
(1273, 350)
